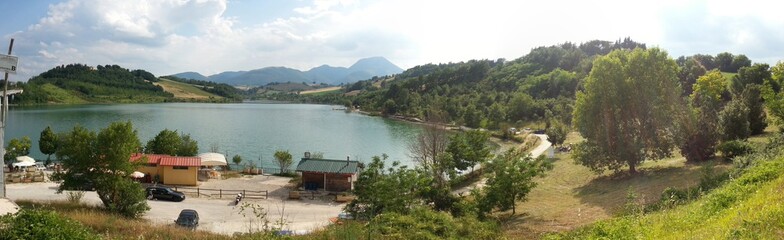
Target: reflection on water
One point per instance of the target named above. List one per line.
(253, 130)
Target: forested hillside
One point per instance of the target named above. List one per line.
(487, 93)
(79, 83)
(535, 89)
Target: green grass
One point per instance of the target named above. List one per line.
(58, 95)
(747, 207)
(571, 196)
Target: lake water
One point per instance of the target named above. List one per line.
(252, 130)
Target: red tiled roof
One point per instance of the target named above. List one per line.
(151, 158)
(180, 161)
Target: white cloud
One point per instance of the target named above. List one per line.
(170, 36)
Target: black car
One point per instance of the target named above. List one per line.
(164, 193)
(188, 218)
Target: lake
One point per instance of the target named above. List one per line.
(252, 130)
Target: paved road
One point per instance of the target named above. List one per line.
(539, 150)
(217, 215)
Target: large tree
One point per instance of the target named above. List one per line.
(47, 143)
(626, 111)
(103, 159)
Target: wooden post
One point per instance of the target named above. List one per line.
(220, 193)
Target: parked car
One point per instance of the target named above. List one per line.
(164, 193)
(188, 218)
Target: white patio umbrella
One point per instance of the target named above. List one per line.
(25, 159)
(137, 174)
(212, 159)
(23, 164)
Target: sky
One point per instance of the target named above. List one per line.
(211, 36)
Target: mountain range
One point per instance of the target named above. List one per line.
(363, 69)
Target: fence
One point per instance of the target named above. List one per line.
(223, 192)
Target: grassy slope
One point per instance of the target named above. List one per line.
(571, 195)
(321, 90)
(59, 95)
(184, 90)
(749, 207)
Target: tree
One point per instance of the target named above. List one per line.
(688, 74)
(166, 142)
(381, 189)
(236, 159)
(773, 94)
(511, 179)
(47, 143)
(17, 147)
(626, 111)
(698, 124)
(557, 132)
(284, 160)
(724, 61)
(188, 146)
(468, 149)
(734, 121)
(103, 159)
(756, 74)
(739, 62)
(752, 98)
(426, 148)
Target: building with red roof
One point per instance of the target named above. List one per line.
(170, 170)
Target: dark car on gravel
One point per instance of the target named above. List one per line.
(164, 193)
(188, 218)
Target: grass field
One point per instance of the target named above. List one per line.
(571, 195)
(184, 90)
(321, 90)
(748, 206)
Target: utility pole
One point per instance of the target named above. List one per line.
(11, 62)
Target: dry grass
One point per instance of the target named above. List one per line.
(111, 226)
(571, 195)
(320, 90)
(184, 90)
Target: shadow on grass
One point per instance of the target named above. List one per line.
(610, 191)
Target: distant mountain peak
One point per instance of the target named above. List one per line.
(190, 75)
(363, 69)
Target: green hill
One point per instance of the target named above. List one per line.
(747, 207)
(185, 91)
(78, 83)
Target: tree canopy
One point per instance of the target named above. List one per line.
(103, 160)
(626, 111)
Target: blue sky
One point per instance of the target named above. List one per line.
(211, 36)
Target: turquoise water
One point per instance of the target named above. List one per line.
(252, 130)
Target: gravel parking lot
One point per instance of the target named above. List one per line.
(217, 215)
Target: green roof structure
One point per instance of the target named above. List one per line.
(328, 166)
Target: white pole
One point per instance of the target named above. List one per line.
(3, 113)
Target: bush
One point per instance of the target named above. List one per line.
(734, 148)
(423, 223)
(42, 224)
(75, 196)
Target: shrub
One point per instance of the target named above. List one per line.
(42, 224)
(734, 148)
(75, 196)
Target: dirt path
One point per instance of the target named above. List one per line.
(539, 150)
